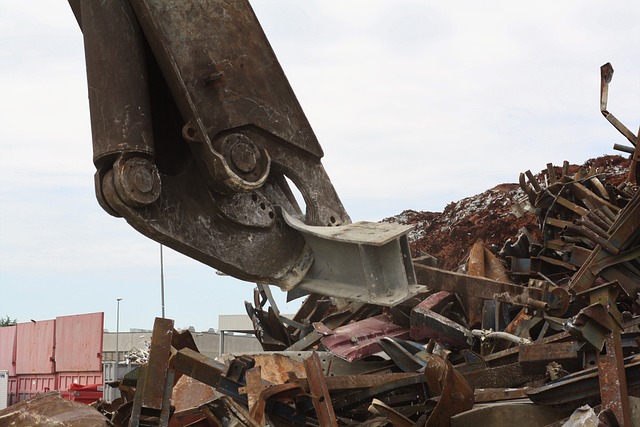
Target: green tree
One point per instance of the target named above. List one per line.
(7, 321)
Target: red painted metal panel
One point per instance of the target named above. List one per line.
(30, 385)
(8, 349)
(13, 391)
(79, 342)
(360, 339)
(35, 347)
(67, 379)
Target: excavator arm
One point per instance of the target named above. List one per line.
(195, 128)
(196, 134)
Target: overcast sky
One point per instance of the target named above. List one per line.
(415, 103)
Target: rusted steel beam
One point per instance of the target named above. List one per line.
(508, 356)
(613, 382)
(606, 74)
(483, 395)
(624, 230)
(353, 399)
(455, 394)
(259, 410)
(200, 367)
(153, 392)
(473, 305)
(254, 387)
(581, 386)
(551, 173)
(395, 418)
(427, 324)
(589, 234)
(224, 408)
(503, 376)
(611, 371)
(354, 382)
(583, 193)
(208, 371)
(548, 352)
(319, 391)
(534, 358)
(634, 172)
(488, 289)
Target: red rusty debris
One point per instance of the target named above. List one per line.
(488, 216)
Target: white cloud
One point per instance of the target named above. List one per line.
(415, 103)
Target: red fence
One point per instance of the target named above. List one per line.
(52, 354)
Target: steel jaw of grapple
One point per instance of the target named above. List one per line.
(365, 261)
(195, 130)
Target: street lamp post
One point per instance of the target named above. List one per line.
(117, 334)
(162, 280)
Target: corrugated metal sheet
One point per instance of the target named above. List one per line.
(79, 342)
(30, 385)
(13, 390)
(34, 347)
(8, 349)
(65, 379)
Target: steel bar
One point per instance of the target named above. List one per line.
(320, 392)
(624, 229)
(395, 418)
(497, 394)
(351, 400)
(476, 268)
(488, 289)
(583, 193)
(581, 386)
(606, 74)
(153, 394)
(611, 370)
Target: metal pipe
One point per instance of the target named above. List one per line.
(584, 231)
(598, 220)
(162, 280)
(484, 334)
(533, 181)
(592, 226)
(623, 148)
(551, 173)
(608, 213)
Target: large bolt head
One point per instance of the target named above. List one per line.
(137, 181)
(244, 156)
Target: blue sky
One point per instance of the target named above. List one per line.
(416, 104)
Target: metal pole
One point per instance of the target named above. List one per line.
(162, 279)
(117, 334)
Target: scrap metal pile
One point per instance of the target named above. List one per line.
(479, 344)
(541, 332)
(526, 335)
